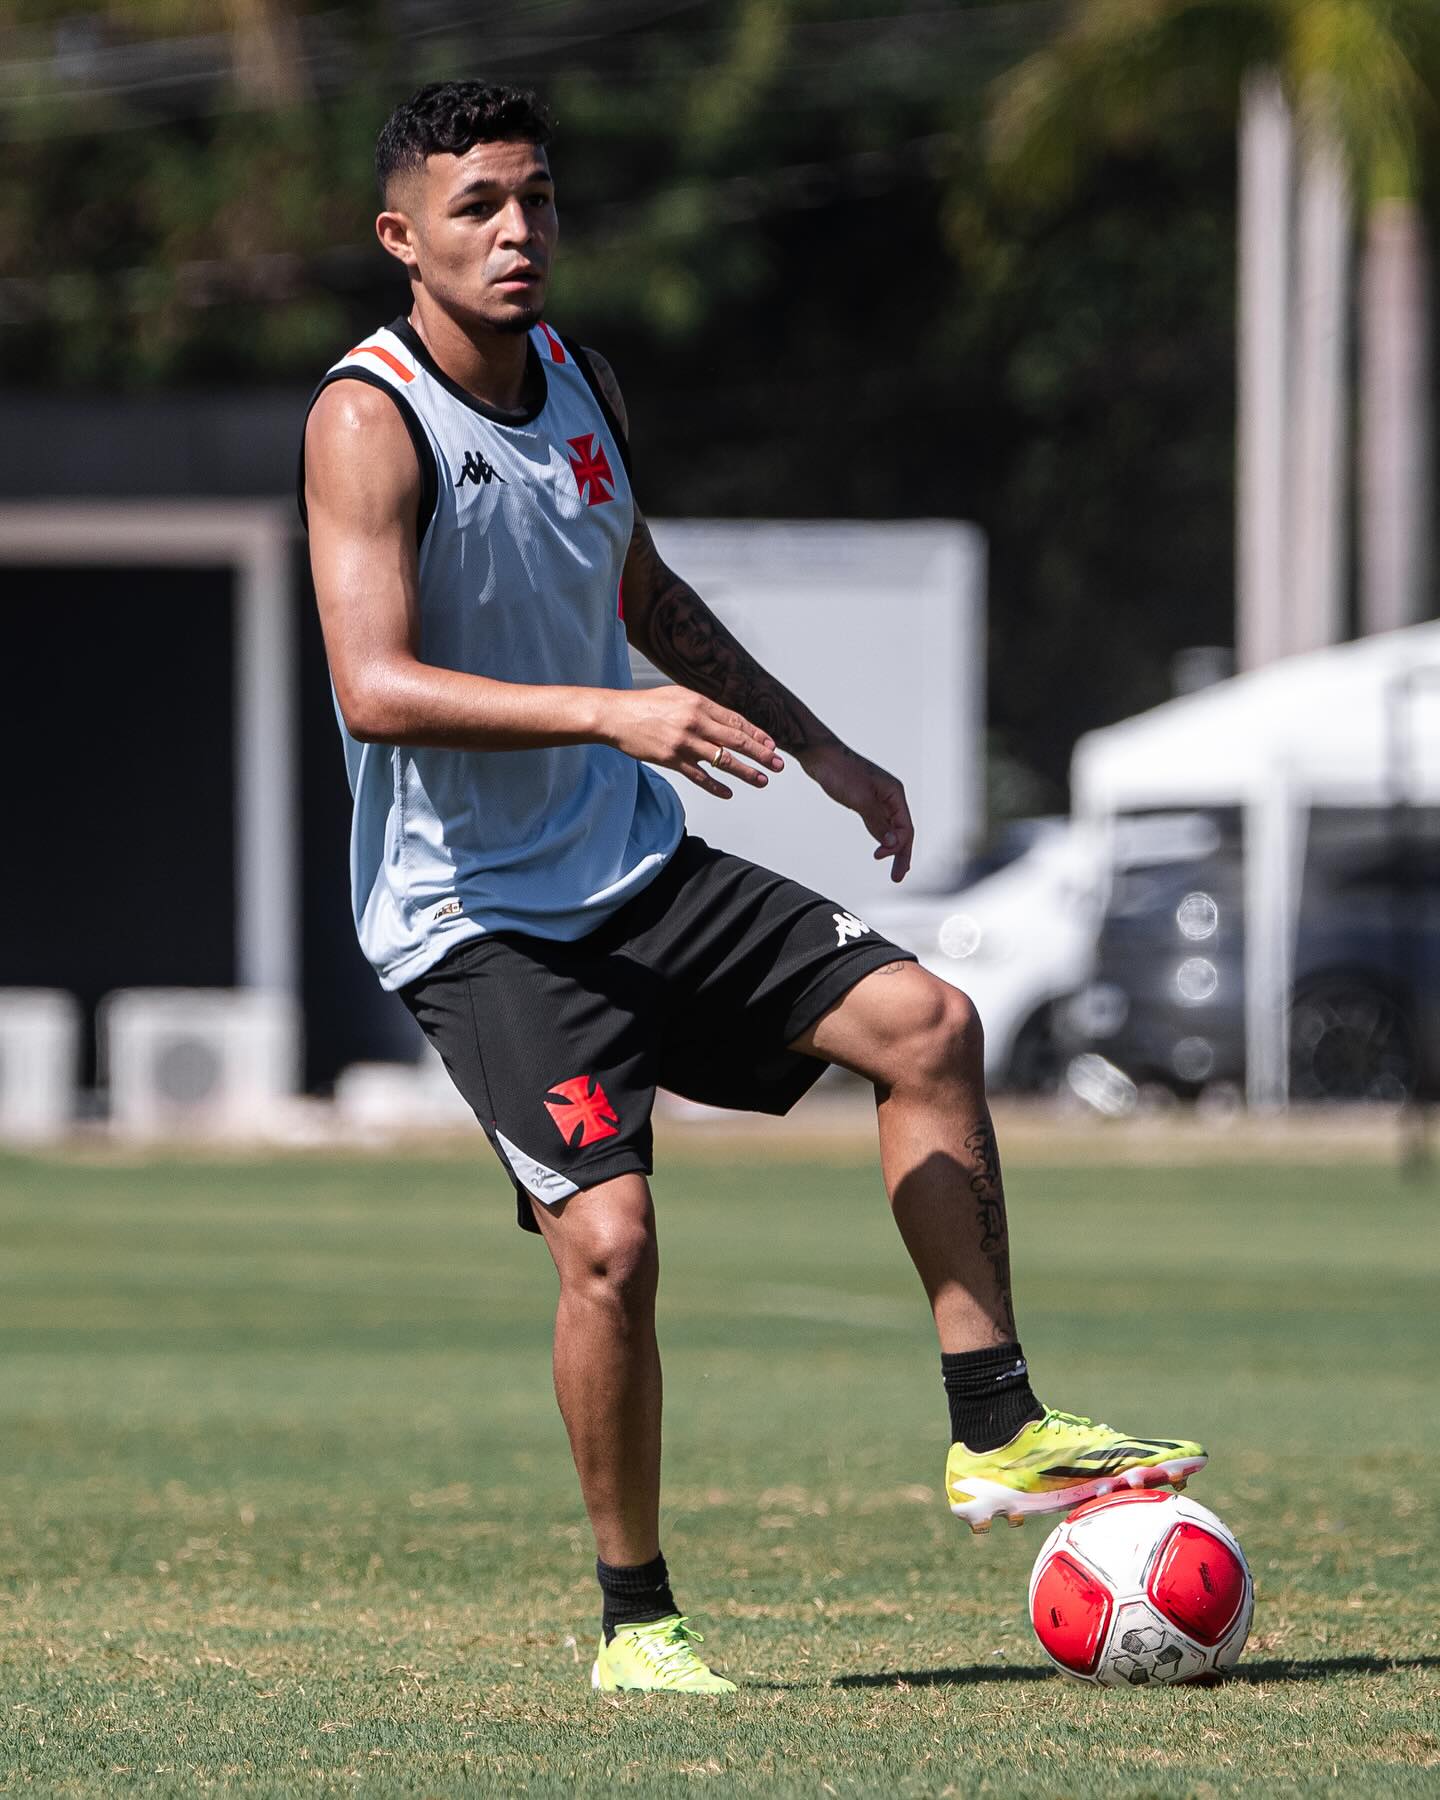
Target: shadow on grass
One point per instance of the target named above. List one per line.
(970, 1677)
(1320, 1667)
(1317, 1668)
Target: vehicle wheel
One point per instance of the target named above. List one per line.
(1036, 1063)
(1349, 1041)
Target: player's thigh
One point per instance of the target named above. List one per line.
(603, 1235)
(552, 1044)
(896, 1022)
(751, 959)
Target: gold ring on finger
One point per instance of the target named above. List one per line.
(717, 761)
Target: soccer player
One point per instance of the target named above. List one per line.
(525, 881)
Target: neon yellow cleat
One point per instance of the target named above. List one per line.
(1054, 1463)
(655, 1657)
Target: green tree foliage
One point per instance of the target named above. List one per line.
(1362, 75)
(1366, 70)
(781, 219)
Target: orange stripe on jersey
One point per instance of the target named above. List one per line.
(557, 349)
(390, 361)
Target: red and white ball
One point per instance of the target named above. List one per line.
(1141, 1587)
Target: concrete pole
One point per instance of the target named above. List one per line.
(1274, 860)
(1261, 575)
(1394, 420)
(266, 766)
(1320, 413)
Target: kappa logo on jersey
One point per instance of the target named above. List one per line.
(848, 926)
(582, 1113)
(593, 475)
(476, 469)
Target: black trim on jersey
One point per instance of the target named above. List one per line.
(583, 363)
(424, 449)
(534, 370)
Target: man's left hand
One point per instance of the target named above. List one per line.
(867, 789)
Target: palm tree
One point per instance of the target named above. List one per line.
(1356, 77)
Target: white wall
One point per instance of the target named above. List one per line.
(880, 629)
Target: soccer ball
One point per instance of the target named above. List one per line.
(1142, 1587)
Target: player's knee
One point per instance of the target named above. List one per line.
(621, 1265)
(945, 1041)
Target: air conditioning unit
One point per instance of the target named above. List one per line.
(39, 1062)
(208, 1061)
(391, 1097)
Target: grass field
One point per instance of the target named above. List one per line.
(286, 1507)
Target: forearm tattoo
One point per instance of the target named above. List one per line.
(682, 637)
(988, 1191)
(669, 621)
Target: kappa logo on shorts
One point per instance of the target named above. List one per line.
(848, 926)
(584, 1115)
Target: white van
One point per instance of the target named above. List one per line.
(1021, 940)
(1017, 941)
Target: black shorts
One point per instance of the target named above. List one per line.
(697, 985)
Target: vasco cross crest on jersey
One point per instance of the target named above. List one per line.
(582, 1113)
(476, 469)
(594, 477)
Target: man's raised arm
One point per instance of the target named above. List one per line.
(362, 496)
(668, 621)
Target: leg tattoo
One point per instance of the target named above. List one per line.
(989, 1192)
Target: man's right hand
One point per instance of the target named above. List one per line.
(675, 728)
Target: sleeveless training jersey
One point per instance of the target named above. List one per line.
(524, 524)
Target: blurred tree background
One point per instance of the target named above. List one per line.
(793, 225)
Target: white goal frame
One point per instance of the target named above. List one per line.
(256, 540)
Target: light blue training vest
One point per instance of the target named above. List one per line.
(524, 531)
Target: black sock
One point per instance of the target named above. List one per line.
(989, 1395)
(634, 1596)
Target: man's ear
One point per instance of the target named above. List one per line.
(396, 233)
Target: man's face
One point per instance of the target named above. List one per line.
(479, 231)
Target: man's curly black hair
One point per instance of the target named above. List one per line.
(451, 117)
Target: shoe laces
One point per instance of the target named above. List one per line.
(666, 1645)
(1055, 1420)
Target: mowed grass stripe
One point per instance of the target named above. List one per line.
(286, 1505)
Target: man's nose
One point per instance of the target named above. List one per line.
(515, 223)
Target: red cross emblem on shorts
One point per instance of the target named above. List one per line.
(584, 1111)
(592, 469)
